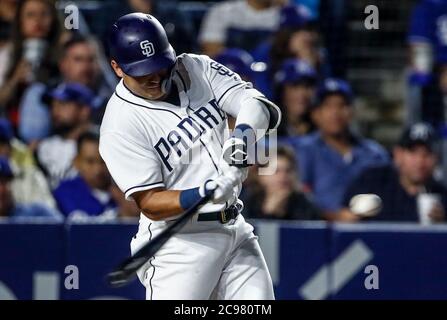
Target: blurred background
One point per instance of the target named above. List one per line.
(362, 155)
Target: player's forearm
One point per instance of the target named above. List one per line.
(159, 204)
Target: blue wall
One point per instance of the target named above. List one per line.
(308, 260)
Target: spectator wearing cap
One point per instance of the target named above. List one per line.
(291, 17)
(330, 158)
(296, 37)
(29, 184)
(79, 64)
(295, 89)
(238, 24)
(400, 183)
(70, 107)
(239, 61)
(91, 193)
(10, 208)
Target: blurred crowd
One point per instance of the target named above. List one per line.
(55, 82)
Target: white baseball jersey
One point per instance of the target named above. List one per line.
(148, 144)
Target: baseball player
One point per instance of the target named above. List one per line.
(163, 137)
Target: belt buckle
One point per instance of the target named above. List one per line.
(223, 216)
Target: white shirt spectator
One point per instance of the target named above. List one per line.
(237, 15)
(56, 154)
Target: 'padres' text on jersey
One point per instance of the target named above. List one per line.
(188, 131)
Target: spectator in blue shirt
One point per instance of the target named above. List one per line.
(91, 192)
(9, 208)
(333, 156)
(88, 191)
(399, 184)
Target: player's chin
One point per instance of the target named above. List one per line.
(154, 94)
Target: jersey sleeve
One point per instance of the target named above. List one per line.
(228, 87)
(132, 166)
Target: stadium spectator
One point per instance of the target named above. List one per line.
(296, 37)
(427, 39)
(278, 196)
(400, 183)
(29, 184)
(313, 6)
(33, 51)
(334, 155)
(238, 24)
(91, 192)
(7, 13)
(78, 63)
(178, 26)
(177, 23)
(9, 207)
(239, 61)
(295, 89)
(70, 106)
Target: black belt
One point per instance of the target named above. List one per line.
(222, 216)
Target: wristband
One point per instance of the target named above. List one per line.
(189, 197)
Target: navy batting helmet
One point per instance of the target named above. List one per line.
(138, 43)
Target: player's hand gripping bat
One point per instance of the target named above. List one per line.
(126, 271)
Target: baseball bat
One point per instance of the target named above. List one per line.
(125, 272)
